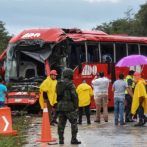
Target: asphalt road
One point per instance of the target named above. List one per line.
(104, 134)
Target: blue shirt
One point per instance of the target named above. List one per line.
(3, 89)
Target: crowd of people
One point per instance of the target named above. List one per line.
(69, 101)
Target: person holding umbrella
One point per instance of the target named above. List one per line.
(139, 99)
(133, 60)
(131, 85)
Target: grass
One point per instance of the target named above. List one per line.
(21, 124)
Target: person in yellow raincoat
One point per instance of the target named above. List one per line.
(139, 99)
(48, 92)
(85, 93)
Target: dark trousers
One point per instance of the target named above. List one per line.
(129, 104)
(49, 109)
(87, 112)
(141, 112)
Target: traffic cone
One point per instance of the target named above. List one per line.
(6, 122)
(46, 130)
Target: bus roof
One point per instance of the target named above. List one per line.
(58, 34)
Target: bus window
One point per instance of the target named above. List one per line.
(77, 55)
(133, 49)
(82, 53)
(73, 57)
(107, 52)
(143, 50)
(120, 51)
(93, 53)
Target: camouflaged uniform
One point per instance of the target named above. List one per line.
(67, 104)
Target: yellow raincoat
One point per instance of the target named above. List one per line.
(49, 86)
(84, 94)
(140, 91)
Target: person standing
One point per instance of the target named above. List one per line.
(67, 106)
(85, 93)
(94, 93)
(131, 85)
(101, 85)
(118, 89)
(48, 92)
(3, 92)
(139, 99)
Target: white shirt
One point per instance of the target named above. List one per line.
(100, 85)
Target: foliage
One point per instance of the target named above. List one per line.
(132, 24)
(141, 18)
(4, 37)
(21, 125)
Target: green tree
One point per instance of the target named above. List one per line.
(141, 18)
(130, 25)
(4, 37)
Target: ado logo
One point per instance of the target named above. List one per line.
(88, 70)
(31, 35)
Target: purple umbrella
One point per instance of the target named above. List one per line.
(132, 60)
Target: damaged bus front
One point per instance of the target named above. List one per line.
(29, 58)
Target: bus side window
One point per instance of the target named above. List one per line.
(133, 49)
(93, 54)
(143, 50)
(73, 57)
(120, 51)
(82, 54)
(107, 53)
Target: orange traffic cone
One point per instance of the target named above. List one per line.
(6, 122)
(46, 130)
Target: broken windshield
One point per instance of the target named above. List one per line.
(25, 60)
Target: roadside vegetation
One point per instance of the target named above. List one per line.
(21, 124)
(132, 24)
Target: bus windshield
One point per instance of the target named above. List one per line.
(26, 62)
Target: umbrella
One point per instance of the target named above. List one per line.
(132, 60)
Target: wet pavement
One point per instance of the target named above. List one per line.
(104, 134)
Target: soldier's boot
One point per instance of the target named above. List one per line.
(74, 140)
(61, 140)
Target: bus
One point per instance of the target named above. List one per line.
(31, 55)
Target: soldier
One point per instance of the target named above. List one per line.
(67, 105)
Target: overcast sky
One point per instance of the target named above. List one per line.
(84, 14)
